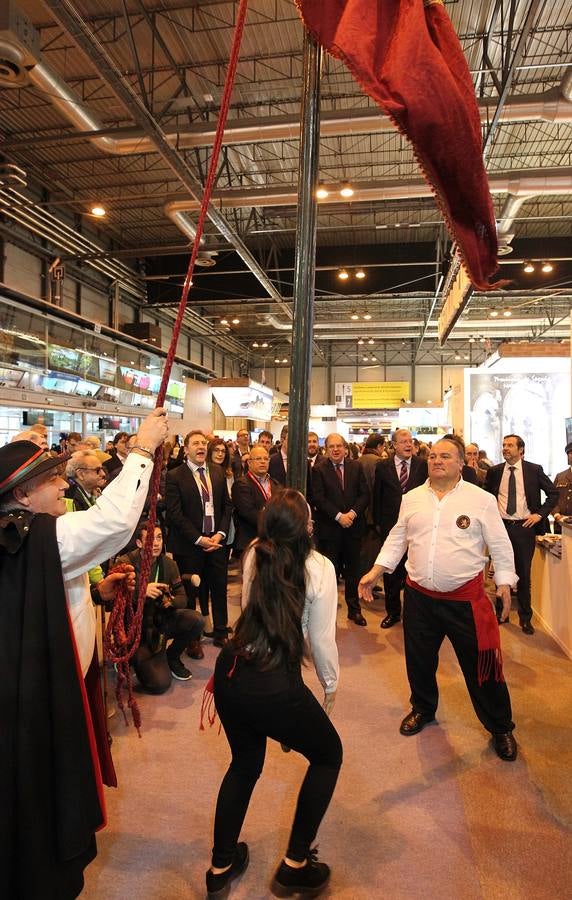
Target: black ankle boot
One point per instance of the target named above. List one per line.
(309, 881)
(218, 886)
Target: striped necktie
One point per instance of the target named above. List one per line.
(403, 476)
(340, 474)
(207, 520)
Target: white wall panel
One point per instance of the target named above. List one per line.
(22, 271)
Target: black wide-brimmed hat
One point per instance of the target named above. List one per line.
(23, 460)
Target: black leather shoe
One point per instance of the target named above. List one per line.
(389, 621)
(527, 627)
(414, 722)
(220, 641)
(218, 886)
(505, 746)
(357, 618)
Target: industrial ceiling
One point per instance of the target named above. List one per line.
(77, 79)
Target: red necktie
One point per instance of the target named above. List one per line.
(340, 474)
(403, 476)
(207, 520)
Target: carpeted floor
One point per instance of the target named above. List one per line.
(432, 817)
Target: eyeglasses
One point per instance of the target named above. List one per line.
(89, 469)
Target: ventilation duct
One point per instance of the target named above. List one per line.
(21, 62)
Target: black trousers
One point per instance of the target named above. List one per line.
(344, 550)
(393, 584)
(152, 669)
(426, 622)
(523, 542)
(370, 547)
(254, 706)
(213, 570)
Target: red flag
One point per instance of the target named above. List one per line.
(407, 57)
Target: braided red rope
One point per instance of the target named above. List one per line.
(123, 632)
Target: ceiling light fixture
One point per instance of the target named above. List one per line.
(361, 274)
(507, 313)
(255, 344)
(264, 344)
(354, 316)
(493, 313)
(367, 316)
(346, 190)
(361, 341)
(284, 360)
(528, 266)
(371, 341)
(547, 266)
(343, 274)
(322, 191)
(98, 211)
(366, 359)
(457, 355)
(224, 321)
(235, 321)
(471, 340)
(466, 356)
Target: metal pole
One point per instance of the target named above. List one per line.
(304, 268)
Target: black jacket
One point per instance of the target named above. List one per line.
(185, 508)
(248, 501)
(387, 492)
(329, 499)
(535, 481)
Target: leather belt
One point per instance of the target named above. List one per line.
(513, 521)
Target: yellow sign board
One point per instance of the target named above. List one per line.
(379, 394)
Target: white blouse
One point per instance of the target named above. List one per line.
(318, 617)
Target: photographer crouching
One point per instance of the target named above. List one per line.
(165, 616)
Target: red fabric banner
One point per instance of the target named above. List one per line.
(407, 57)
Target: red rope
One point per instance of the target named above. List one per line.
(124, 629)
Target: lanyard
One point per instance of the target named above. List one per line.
(260, 486)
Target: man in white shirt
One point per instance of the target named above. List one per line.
(446, 525)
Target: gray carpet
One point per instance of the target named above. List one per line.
(432, 817)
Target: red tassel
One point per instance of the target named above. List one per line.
(208, 708)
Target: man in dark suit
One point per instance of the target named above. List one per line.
(394, 477)
(517, 485)
(340, 498)
(279, 461)
(198, 516)
(239, 461)
(563, 482)
(250, 493)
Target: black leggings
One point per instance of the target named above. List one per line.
(253, 706)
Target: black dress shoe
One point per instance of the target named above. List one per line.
(505, 746)
(527, 627)
(357, 618)
(218, 886)
(389, 621)
(414, 722)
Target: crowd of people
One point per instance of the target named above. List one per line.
(415, 524)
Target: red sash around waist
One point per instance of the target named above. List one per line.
(489, 659)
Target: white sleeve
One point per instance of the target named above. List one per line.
(395, 544)
(248, 562)
(89, 537)
(498, 543)
(322, 610)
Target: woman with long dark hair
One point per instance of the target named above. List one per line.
(289, 609)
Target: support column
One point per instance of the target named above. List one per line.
(304, 268)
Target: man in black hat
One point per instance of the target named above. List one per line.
(563, 482)
(50, 776)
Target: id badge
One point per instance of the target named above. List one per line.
(209, 509)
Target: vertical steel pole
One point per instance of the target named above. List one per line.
(304, 268)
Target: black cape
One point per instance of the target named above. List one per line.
(49, 801)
